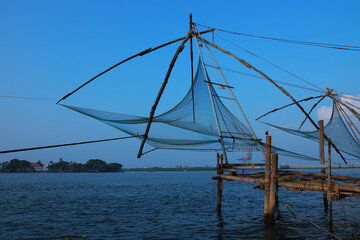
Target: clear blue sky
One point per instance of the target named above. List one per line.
(48, 48)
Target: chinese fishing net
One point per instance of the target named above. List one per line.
(193, 124)
(335, 129)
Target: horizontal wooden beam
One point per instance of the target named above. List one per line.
(218, 84)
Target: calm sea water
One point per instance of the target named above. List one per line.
(158, 205)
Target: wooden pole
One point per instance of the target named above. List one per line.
(219, 181)
(192, 66)
(330, 188)
(322, 156)
(153, 108)
(222, 163)
(267, 178)
(127, 59)
(272, 199)
(313, 107)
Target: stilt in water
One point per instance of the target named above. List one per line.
(322, 157)
(267, 178)
(219, 167)
(330, 186)
(272, 197)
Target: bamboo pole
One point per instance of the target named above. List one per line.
(212, 101)
(322, 157)
(152, 112)
(234, 98)
(267, 179)
(277, 109)
(219, 181)
(272, 200)
(222, 163)
(349, 122)
(315, 186)
(192, 65)
(127, 59)
(313, 107)
(295, 185)
(299, 185)
(241, 178)
(248, 65)
(330, 187)
(356, 114)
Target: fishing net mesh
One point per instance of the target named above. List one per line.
(335, 129)
(195, 123)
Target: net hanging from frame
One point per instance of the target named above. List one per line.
(176, 128)
(335, 129)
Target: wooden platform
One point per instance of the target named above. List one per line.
(333, 187)
(342, 186)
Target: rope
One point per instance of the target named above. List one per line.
(28, 98)
(149, 151)
(314, 44)
(255, 76)
(292, 74)
(63, 145)
(294, 213)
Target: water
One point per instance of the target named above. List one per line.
(158, 205)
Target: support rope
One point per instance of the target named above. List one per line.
(308, 43)
(64, 145)
(292, 74)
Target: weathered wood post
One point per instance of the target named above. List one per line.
(322, 157)
(272, 199)
(219, 167)
(267, 178)
(330, 185)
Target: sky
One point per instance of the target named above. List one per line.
(48, 48)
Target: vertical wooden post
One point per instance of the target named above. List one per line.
(222, 163)
(272, 199)
(322, 156)
(330, 185)
(219, 167)
(267, 178)
(192, 65)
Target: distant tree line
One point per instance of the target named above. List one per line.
(93, 165)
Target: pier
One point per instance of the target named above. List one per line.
(333, 187)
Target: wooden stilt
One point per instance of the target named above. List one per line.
(330, 186)
(322, 157)
(267, 178)
(272, 198)
(219, 167)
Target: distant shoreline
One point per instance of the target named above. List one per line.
(60, 171)
(152, 169)
(160, 169)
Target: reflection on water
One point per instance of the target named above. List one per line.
(176, 205)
